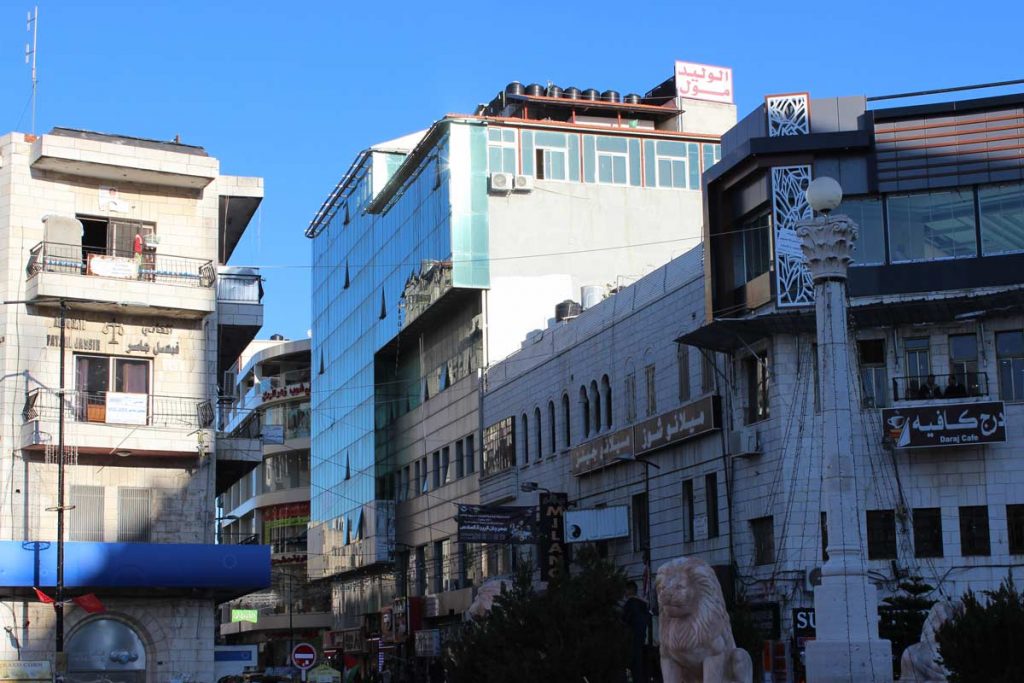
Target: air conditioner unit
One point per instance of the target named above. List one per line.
(597, 524)
(812, 579)
(230, 388)
(523, 183)
(745, 443)
(501, 183)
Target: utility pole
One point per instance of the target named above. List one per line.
(32, 24)
(59, 604)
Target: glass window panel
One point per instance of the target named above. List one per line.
(604, 169)
(545, 139)
(866, 212)
(650, 164)
(694, 161)
(527, 152)
(619, 170)
(664, 172)
(588, 158)
(931, 225)
(668, 148)
(679, 174)
(1002, 218)
(606, 144)
(508, 135)
(634, 163)
(574, 157)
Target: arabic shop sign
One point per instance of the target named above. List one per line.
(945, 424)
(602, 452)
(250, 615)
(677, 425)
(704, 82)
(493, 524)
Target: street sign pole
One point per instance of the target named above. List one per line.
(304, 657)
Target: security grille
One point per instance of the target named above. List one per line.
(133, 515)
(87, 515)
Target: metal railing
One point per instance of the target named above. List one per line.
(238, 538)
(930, 387)
(234, 287)
(75, 259)
(120, 408)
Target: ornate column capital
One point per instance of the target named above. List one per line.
(827, 243)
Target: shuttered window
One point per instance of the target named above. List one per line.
(133, 515)
(86, 518)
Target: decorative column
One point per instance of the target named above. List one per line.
(847, 647)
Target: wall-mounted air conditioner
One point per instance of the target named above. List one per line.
(523, 183)
(745, 442)
(501, 183)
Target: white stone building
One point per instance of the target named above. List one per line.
(131, 237)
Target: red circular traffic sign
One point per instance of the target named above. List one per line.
(304, 656)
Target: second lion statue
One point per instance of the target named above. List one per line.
(697, 645)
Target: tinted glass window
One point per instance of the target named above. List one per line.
(931, 225)
(1002, 218)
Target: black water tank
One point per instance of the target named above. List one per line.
(567, 309)
(554, 91)
(611, 96)
(590, 94)
(631, 98)
(571, 93)
(535, 90)
(514, 88)
(277, 337)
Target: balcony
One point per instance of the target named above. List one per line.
(115, 423)
(236, 457)
(101, 280)
(930, 388)
(239, 311)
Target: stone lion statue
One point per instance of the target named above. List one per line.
(485, 595)
(921, 662)
(696, 638)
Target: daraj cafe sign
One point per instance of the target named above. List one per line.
(675, 426)
(947, 424)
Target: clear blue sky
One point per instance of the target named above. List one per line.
(291, 91)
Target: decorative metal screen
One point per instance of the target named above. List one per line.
(788, 115)
(789, 205)
(133, 515)
(86, 519)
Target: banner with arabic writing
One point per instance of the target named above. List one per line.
(945, 424)
(493, 524)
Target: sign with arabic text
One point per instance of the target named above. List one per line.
(598, 453)
(945, 424)
(685, 422)
(25, 670)
(493, 524)
(250, 615)
(704, 82)
(127, 409)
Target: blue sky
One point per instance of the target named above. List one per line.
(292, 91)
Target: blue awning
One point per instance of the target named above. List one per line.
(219, 571)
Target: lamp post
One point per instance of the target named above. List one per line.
(847, 646)
(291, 625)
(647, 541)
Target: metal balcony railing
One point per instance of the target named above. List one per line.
(930, 387)
(235, 286)
(120, 408)
(237, 538)
(75, 259)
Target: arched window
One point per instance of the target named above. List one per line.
(537, 431)
(551, 427)
(595, 405)
(629, 391)
(584, 412)
(566, 423)
(606, 390)
(526, 440)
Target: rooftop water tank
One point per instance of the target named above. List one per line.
(571, 93)
(514, 88)
(566, 310)
(554, 91)
(535, 90)
(591, 295)
(590, 94)
(631, 98)
(611, 96)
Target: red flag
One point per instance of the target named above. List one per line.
(43, 597)
(90, 603)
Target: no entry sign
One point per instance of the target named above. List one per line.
(304, 657)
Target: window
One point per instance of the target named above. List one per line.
(688, 511)
(641, 523)
(423, 474)
(974, 538)
(526, 439)
(712, 154)
(595, 401)
(756, 370)
(86, 519)
(1002, 218)
(133, 515)
(460, 460)
(963, 366)
(470, 455)
(763, 531)
(438, 569)
(551, 427)
(652, 394)
(919, 380)
(421, 570)
(630, 391)
(1015, 528)
(551, 157)
(866, 212)
(824, 537)
(96, 376)
(751, 254)
(403, 487)
(929, 226)
(501, 150)
(873, 379)
(445, 464)
(416, 483)
(670, 164)
(566, 424)
(436, 472)
(881, 534)
(711, 502)
(612, 160)
(707, 372)
(683, 368)
(111, 237)
(584, 412)
(606, 393)
(1010, 359)
(538, 433)
(927, 532)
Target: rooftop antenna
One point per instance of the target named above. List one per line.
(32, 24)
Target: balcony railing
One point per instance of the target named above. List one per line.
(75, 259)
(929, 387)
(120, 408)
(238, 538)
(239, 287)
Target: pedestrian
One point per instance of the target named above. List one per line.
(636, 615)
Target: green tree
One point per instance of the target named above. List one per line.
(904, 615)
(981, 642)
(569, 632)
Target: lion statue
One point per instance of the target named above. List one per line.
(696, 639)
(921, 662)
(485, 595)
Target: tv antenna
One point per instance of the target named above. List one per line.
(32, 24)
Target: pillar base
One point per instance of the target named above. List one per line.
(842, 662)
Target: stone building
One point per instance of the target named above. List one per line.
(130, 238)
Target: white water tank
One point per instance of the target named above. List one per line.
(591, 295)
